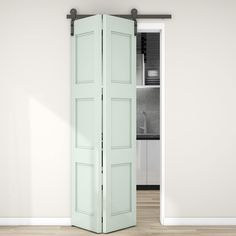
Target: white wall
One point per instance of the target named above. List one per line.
(35, 105)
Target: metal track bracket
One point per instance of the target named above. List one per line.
(133, 16)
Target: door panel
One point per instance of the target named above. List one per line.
(119, 123)
(87, 123)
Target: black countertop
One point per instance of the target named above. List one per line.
(148, 137)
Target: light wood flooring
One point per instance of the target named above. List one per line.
(148, 204)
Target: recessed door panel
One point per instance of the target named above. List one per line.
(84, 172)
(85, 60)
(121, 57)
(84, 123)
(121, 176)
(121, 111)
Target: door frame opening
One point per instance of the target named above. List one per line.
(145, 26)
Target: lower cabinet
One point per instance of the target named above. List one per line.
(148, 162)
(153, 162)
(141, 162)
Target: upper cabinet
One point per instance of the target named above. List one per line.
(140, 69)
(148, 60)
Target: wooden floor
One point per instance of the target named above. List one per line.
(148, 204)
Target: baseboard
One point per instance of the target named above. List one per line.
(35, 221)
(166, 221)
(199, 221)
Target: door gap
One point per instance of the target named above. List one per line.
(146, 29)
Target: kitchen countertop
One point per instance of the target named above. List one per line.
(148, 137)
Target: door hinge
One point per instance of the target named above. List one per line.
(102, 219)
(102, 144)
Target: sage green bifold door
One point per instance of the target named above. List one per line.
(103, 123)
(119, 123)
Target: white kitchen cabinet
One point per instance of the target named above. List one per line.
(148, 162)
(141, 162)
(153, 162)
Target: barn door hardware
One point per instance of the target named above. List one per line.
(133, 16)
